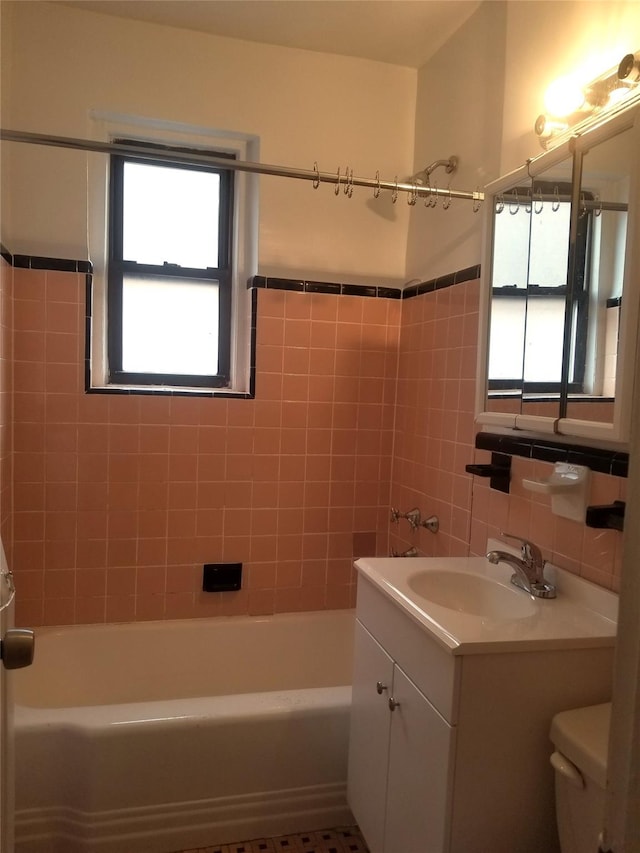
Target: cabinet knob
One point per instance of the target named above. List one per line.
(380, 687)
(393, 703)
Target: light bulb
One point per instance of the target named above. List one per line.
(563, 97)
(546, 127)
(629, 69)
(619, 93)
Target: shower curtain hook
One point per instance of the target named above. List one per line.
(528, 205)
(500, 203)
(376, 191)
(316, 180)
(555, 204)
(337, 189)
(516, 203)
(394, 192)
(446, 203)
(412, 197)
(598, 210)
(348, 187)
(539, 201)
(433, 198)
(477, 201)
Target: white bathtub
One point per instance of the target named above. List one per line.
(160, 736)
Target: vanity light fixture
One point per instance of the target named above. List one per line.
(570, 106)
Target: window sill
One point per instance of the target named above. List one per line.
(170, 391)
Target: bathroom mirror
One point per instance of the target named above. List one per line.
(560, 306)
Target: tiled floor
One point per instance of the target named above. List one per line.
(343, 840)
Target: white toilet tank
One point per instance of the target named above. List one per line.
(581, 740)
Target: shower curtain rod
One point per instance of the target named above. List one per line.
(346, 180)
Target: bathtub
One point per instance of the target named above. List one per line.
(159, 736)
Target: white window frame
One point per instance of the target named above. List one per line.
(106, 127)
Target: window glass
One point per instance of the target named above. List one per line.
(169, 325)
(170, 215)
(549, 249)
(507, 341)
(544, 341)
(511, 249)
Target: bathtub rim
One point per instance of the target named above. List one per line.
(173, 624)
(42, 691)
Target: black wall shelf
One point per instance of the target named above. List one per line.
(612, 462)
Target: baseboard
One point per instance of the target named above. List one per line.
(180, 826)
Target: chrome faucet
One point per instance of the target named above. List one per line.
(410, 552)
(528, 568)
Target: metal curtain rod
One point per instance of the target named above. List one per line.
(347, 179)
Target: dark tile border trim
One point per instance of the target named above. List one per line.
(612, 462)
(340, 289)
(35, 262)
(336, 288)
(458, 277)
(38, 262)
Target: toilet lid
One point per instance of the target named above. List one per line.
(582, 735)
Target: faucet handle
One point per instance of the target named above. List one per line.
(530, 551)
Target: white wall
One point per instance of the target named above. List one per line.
(63, 62)
(479, 96)
(551, 39)
(459, 111)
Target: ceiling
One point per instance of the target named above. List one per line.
(401, 32)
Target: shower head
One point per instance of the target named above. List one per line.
(422, 178)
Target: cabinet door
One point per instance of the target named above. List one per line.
(369, 737)
(420, 770)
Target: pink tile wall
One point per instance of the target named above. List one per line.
(435, 439)
(434, 418)
(120, 499)
(114, 502)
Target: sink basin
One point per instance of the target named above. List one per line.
(469, 606)
(470, 593)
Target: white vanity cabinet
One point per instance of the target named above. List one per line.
(449, 753)
(399, 755)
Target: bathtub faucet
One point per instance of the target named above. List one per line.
(410, 552)
(414, 517)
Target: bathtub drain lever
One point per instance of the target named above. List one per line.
(17, 648)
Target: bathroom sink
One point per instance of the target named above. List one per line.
(469, 605)
(471, 593)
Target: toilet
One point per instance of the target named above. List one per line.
(581, 740)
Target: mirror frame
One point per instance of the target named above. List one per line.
(616, 432)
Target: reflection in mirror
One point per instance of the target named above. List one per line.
(528, 294)
(510, 261)
(547, 292)
(597, 295)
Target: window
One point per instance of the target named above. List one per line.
(170, 277)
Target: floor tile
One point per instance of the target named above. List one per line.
(339, 840)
